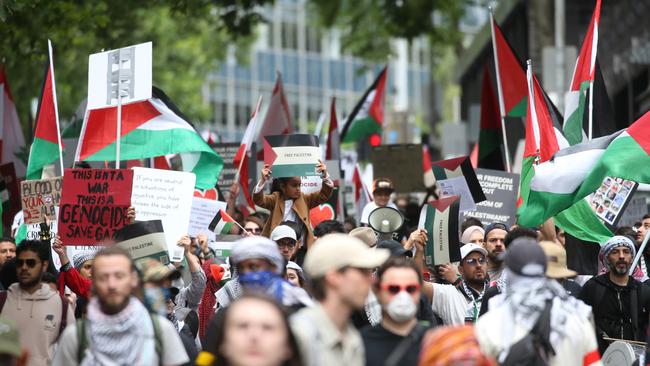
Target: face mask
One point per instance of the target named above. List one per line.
(155, 299)
(258, 279)
(401, 308)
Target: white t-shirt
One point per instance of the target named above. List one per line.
(577, 348)
(371, 206)
(450, 305)
(173, 352)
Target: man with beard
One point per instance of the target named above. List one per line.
(620, 303)
(460, 303)
(38, 311)
(118, 329)
(495, 235)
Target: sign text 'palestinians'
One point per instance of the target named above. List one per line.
(144, 239)
(94, 204)
(440, 219)
(400, 163)
(500, 190)
(38, 198)
(291, 155)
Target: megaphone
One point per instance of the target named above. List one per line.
(385, 221)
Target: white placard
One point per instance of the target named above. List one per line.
(165, 195)
(136, 75)
(203, 211)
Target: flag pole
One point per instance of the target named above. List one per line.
(591, 107)
(639, 252)
(56, 107)
(119, 110)
(501, 102)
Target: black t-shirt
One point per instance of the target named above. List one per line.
(379, 343)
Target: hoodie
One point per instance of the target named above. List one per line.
(38, 318)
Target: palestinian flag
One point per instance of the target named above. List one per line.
(429, 177)
(333, 151)
(150, 128)
(489, 140)
(577, 171)
(511, 79)
(144, 239)
(368, 115)
(576, 105)
(440, 219)
(278, 119)
(12, 140)
(361, 194)
(292, 155)
(46, 147)
(221, 223)
(241, 160)
(460, 167)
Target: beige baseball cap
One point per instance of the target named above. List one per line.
(335, 251)
(365, 234)
(556, 255)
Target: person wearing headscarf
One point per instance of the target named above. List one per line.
(620, 303)
(453, 346)
(473, 234)
(531, 301)
(257, 265)
(214, 274)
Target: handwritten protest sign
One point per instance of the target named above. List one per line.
(203, 211)
(144, 239)
(38, 198)
(165, 195)
(93, 204)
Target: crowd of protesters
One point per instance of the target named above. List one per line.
(333, 294)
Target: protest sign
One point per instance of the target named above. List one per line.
(611, 198)
(457, 177)
(94, 203)
(38, 198)
(400, 163)
(131, 65)
(202, 213)
(12, 205)
(227, 151)
(165, 195)
(291, 155)
(500, 190)
(144, 239)
(329, 210)
(440, 219)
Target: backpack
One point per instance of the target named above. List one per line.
(64, 312)
(534, 349)
(82, 339)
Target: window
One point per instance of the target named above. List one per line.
(289, 36)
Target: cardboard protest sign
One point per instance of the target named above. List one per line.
(144, 239)
(227, 151)
(38, 199)
(500, 190)
(165, 195)
(132, 65)
(291, 155)
(456, 177)
(202, 213)
(440, 219)
(94, 203)
(611, 198)
(12, 205)
(400, 163)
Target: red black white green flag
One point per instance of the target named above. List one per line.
(440, 219)
(511, 78)
(367, 116)
(222, 223)
(489, 141)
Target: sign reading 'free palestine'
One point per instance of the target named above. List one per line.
(293, 155)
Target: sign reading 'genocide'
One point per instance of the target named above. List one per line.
(93, 204)
(38, 198)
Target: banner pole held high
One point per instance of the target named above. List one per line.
(119, 113)
(639, 252)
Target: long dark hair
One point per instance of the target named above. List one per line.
(220, 331)
(278, 185)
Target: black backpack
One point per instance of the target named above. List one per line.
(535, 348)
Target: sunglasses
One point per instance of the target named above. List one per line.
(475, 261)
(396, 289)
(31, 263)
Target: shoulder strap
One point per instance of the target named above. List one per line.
(157, 337)
(400, 350)
(634, 307)
(3, 299)
(64, 316)
(82, 342)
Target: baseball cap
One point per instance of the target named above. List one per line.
(153, 270)
(335, 251)
(365, 234)
(556, 257)
(494, 226)
(471, 247)
(283, 231)
(384, 184)
(9, 338)
(526, 258)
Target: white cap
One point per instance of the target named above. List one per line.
(335, 251)
(471, 247)
(283, 231)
